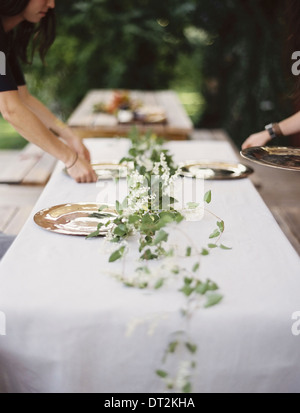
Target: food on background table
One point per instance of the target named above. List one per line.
(121, 100)
(128, 110)
(151, 114)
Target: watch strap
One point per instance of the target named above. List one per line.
(274, 130)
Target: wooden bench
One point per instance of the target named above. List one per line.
(16, 204)
(31, 166)
(288, 218)
(89, 124)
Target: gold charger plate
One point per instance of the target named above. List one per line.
(215, 170)
(274, 156)
(108, 170)
(74, 219)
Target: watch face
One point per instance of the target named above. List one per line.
(270, 129)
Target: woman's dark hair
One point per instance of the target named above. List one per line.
(41, 35)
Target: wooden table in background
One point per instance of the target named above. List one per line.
(89, 124)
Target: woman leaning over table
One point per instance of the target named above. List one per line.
(23, 21)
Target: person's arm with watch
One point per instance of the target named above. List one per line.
(287, 127)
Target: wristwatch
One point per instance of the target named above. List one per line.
(274, 130)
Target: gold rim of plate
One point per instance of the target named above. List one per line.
(215, 170)
(74, 219)
(280, 157)
(108, 170)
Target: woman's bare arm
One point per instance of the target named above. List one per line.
(288, 126)
(35, 131)
(53, 123)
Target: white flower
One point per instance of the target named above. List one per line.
(155, 170)
(146, 162)
(148, 165)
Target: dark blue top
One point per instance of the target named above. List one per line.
(14, 76)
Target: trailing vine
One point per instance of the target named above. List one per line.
(148, 212)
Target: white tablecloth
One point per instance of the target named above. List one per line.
(67, 318)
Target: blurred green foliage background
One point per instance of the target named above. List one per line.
(224, 57)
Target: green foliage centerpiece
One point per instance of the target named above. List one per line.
(148, 212)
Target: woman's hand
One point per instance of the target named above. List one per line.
(257, 139)
(75, 143)
(82, 171)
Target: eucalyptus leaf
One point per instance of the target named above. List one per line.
(191, 347)
(99, 215)
(175, 270)
(141, 170)
(147, 220)
(95, 233)
(132, 219)
(221, 225)
(173, 200)
(162, 373)
(211, 246)
(148, 255)
(207, 197)
(148, 240)
(162, 236)
(187, 290)
(202, 288)
(187, 388)
(164, 220)
(215, 234)
(133, 152)
(188, 281)
(172, 347)
(223, 247)
(159, 284)
(196, 267)
(117, 254)
(102, 207)
(125, 159)
(188, 252)
(212, 286)
(213, 299)
(128, 284)
(118, 207)
(121, 230)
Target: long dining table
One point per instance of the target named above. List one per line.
(69, 322)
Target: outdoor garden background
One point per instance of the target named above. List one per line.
(227, 59)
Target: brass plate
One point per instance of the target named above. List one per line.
(274, 156)
(215, 170)
(108, 170)
(73, 219)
